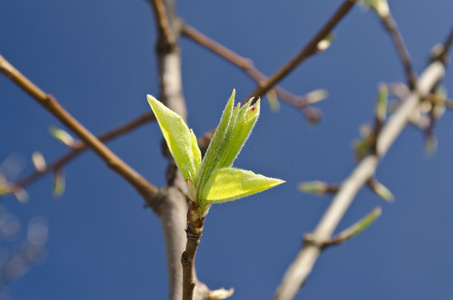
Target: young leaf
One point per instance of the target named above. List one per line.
(242, 127)
(58, 183)
(381, 107)
(229, 184)
(180, 140)
(317, 187)
(272, 99)
(62, 136)
(357, 227)
(217, 145)
(39, 161)
(317, 96)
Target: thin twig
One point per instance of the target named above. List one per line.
(79, 148)
(146, 189)
(300, 102)
(299, 270)
(390, 24)
(443, 54)
(306, 52)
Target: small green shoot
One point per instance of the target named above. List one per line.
(356, 228)
(212, 179)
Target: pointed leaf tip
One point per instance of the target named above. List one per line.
(229, 184)
(357, 227)
(180, 140)
(218, 145)
(381, 190)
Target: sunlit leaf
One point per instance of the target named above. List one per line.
(213, 155)
(229, 184)
(242, 127)
(180, 140)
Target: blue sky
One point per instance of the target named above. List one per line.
(97, 58)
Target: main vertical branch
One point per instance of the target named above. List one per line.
(174, 206)
(299, 270)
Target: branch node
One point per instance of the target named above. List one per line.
(310, 239)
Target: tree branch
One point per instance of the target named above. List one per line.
(143, 187)
(78, 149)
(167, 37)
(299, 270)
(390, 24)
(174, 208)
(306, 52)
(246, 64)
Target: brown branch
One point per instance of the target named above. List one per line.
(390, 24)
(146, 189)
(194, 230)
(301, 267)
(442, 52)
(79, 148)
(188, 267)
(246, 64)
(174, 206)
(166, 35)
(306, 52)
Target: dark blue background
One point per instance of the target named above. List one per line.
(97, 58)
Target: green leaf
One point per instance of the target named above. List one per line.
(272, 99)
(229, 184)
(357, 227)
(242, 128)
(217, 145)
(58, 184)
(180, 140)
(381, 107)
(62, 136)
(315, 187)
